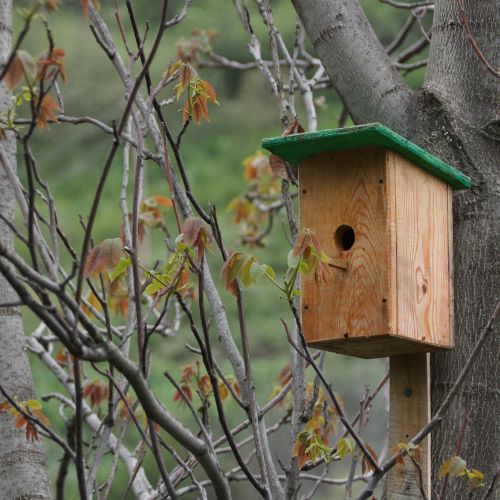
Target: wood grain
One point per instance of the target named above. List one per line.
(422, 257)
(451, 272)
(396, 293)
(409, 412)
(346, 188)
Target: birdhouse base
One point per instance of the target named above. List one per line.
(378, 346)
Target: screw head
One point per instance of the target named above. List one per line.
(408, 391)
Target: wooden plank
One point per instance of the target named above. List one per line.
(409, 412)
(376, 346)
(346, 188)
(391, 238)
(451, 272)
(298, 147)
(422, 229)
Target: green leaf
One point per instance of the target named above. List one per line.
(120, 268)
(303, 267)
(257, 271)
(345, 446)
(159, 281)
(454, 466)
(244, 266)
(239, 260)
(270, 272)
(34, 404)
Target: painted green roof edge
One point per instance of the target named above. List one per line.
(297, 147)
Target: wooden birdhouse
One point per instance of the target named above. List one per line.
(381, 209)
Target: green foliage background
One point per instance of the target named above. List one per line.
(71, 157)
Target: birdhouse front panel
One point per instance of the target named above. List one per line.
(343, 201)
(381, 209)
(387, 220)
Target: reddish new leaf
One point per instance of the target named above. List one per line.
(187, 373)
(178, 398)
(22, 65)
(230, 271)
(106, 255)
(205, 385)
(31, 432)
(366, 465)
(294, 128)
(163, 200)
(49, 62)
(278, 166)
(47, 110)
(209, 91)
(96, 391)
(197, 233)
(15, 74)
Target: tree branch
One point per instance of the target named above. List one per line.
(372, 89)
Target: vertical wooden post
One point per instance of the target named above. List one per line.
(409, 412)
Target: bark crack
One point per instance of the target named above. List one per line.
(327, 33)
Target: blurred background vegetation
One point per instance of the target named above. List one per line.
(71, 157)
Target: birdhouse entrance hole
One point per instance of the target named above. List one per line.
(344, 237)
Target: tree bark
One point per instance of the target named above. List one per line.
(455, 115)
(23, 464)
(469, 94)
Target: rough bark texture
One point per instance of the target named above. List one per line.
(456, 117)
(23, 465)
(469, 96)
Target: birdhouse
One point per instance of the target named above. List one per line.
(381, 208)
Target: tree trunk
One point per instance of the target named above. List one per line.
(23, 464)
(456, 117)
(469, 96)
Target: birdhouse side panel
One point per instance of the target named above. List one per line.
(422, 212)
(343, 200)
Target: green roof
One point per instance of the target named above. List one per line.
(294, 148)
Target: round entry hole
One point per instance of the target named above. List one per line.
(344, 237)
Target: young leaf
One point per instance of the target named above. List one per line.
(257, 271)
(209, 91)
(31, 432)
(345, 446)
(106, 255)
(22, 64)
(96, 391)
(476, 479)
(453, 467)
(52, 60)
(187, 393)
(197, 233)
(205, 385)
(270, 272)
(366, 465)
(163, 200)
(120, 268)
(223, 390)
(46, 112)
(33, 404)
